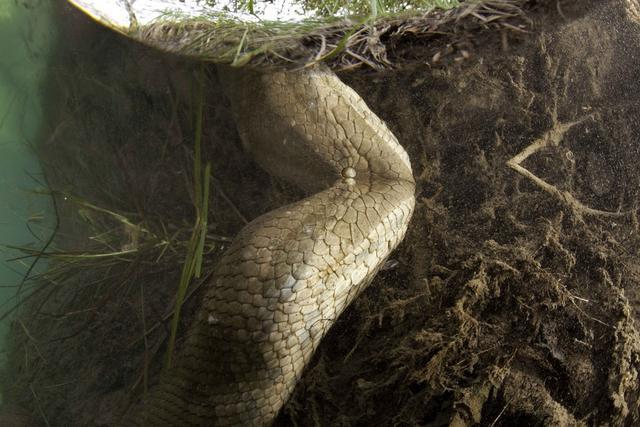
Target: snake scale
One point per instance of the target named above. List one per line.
(288, 274)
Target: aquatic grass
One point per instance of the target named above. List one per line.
(192, 267)
(111, 248)
(125, 199)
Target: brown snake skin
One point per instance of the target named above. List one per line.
(290, 273)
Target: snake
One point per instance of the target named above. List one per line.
(288, 274)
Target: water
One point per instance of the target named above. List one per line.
(25, 217)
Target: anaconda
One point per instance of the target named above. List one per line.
(290, 273)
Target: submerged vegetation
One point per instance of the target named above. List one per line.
(128, 250)
(341, 8)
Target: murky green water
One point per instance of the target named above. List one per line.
(25, 216)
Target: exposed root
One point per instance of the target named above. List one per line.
(553, 138)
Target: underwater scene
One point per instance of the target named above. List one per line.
(319, 213)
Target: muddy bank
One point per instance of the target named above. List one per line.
(512, 301)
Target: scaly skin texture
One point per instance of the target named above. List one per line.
(290, 273)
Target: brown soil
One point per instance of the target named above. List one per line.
(512, 301)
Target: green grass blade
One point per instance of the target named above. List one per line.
(197, 154)
(204, 212)
(193, 261)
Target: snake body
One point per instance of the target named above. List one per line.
(288, 274)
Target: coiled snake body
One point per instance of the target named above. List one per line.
(290, 273)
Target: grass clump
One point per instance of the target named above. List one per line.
(342, 8)
(343, 34)
(330, 8)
